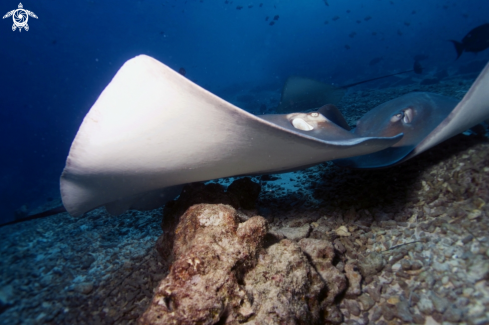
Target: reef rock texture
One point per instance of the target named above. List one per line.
(221, 273)
(212, 251)
(321, 254)
(285, 288)
(197, 193)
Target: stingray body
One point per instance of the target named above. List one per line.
(425, 119)
(152, 130)
(301, 94)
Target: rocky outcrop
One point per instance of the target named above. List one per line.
(212, 251)
(221, 273)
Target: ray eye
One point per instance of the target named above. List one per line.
(397, 117)
(408, 115)
(314, 114)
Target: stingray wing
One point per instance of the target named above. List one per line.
(470, 111)
(152, 130)
(301, 94)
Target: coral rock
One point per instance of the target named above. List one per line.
(321, 253)
(284, 287)
(211, 252)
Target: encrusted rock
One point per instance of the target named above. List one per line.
(211, 253)
(321, 253)
(372, 264)
(354, 280)
(283, 286)
(294, 233)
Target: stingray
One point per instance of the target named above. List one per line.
(152, 130)
(301, 94)
(425, 119)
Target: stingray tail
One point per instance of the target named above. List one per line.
(459, 47)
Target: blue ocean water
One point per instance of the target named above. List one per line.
(53, 73)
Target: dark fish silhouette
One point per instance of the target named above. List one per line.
(250, 6)
(347, 47)
(326, 2)
(182, 71)
(417, 68)
(326, 22)
(374, 61)
(348, 11)
(352, 34)
(266, 19)
(476, 40)
(239, 7)
(272, 23)
(367, 18)
(335, 18)
(261, 5)
(276, 17)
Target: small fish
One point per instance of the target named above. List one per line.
(250, 6)
(276, 17)
(326, 22)
(239, 7)
(476, 40)
(272, 23)
(182, 71)
(347, 47)
(374, 61)
(352, 34)
(348, 11)
(399, 32)
(266, 19)
(407, 23)
(261, 5)
(326, 3)
(374, 33)
(367, 18)
(335, 18)
(359, 21)
(414, 12)
(418, 69)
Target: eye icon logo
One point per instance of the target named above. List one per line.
(20, 17)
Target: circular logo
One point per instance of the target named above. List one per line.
(20, 17)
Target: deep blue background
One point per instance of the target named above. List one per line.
(52, 74)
